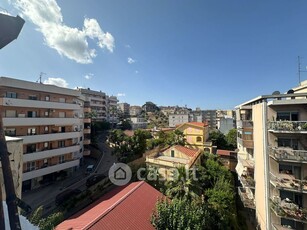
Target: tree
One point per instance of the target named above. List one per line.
(218, 139)
(183, 185)
(231, 139)
(181, 214)
(47, 223)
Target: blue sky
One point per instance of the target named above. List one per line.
(200, 53)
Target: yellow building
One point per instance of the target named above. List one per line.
(196, 134)
(173, 157)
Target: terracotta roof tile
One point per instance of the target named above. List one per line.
(127, 207)
(187, 151)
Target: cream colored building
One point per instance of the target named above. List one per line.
(272, 158)
(14, 147)
(49, 119)
(173, 157)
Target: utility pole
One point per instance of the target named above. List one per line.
(299, 69)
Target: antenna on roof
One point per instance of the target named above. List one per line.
(39, 80)
(299, 70)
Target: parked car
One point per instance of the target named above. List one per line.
(94, 179)
(89, 169)
(66, 195)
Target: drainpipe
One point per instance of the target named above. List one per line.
(8, 181)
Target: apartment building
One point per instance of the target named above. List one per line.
(124, 108)
(177, 119)
(272, 158)
(49, 119)
(138, 123)
(112, 115)
(97, 102)
(135, 110)
(210, 117)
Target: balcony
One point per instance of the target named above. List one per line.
(87, 141)
(245, 124)
(247, 181)
(288, 154)
(247, 197)
(49, 137)
(288, 182)
(288, 209)
(87, 131)
(37, 121)
(281, 227)
(49, 153)
(50, 169)
(87, 120)
(287, 126)
(14, 102)
(86, 110)
(86, 152)
(245, 168)
(167, 161)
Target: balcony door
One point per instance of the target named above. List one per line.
(287, 116)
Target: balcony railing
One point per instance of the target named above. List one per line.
(288, 182)
(281, 227)
(288, 126)
(288, 154)
(247, 181)
(247, 197)
(245, 124)
(288, 209)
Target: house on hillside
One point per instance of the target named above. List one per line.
(173, 157)
(197, 134)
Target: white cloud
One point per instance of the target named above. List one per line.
(67, 41)
(88, 76)
(130, 60)
(136, 72)
(121, 94)
(56, 81)
(3, 11)
(127, 46)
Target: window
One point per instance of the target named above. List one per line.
(62, 129)
(31, 113)
(287, 116)
(46, 144)
(198, 139)
(31, 148)
(46, 129)
(288, 142)
(61, 159)
(31, 131)
(10, 132)
(32, 97)
(47, 98)
(30, 166)
(10, 113)
(62, 99)
(61, 144)
(46, 114)
(172, 153)
(81, 138)
(61, 114)
(11, 95)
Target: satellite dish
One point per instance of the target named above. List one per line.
(291, 91)
(276, 93)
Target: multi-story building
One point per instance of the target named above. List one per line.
(177, 119)
(49, 119)
(225, 124)
(173, 157)
(272, 158)
(135, 110)
(112, 115)
(138, 123)
(210, 117)
(87, 127)
(98, 103)
(124, 108)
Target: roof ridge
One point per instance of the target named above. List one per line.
(114, 205)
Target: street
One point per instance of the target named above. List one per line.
(45, 196)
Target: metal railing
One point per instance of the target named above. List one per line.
(289, 126)
(287, 183)
(247, 197)
(288, 154)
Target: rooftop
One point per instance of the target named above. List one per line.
(126, 207)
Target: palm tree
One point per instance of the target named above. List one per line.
(183, 185)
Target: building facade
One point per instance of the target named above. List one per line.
(225, 124)
(138, 123)
(124, 108)
(135, 110)
(49, 119)
(272, 158)
(177, 119)
(112, 115)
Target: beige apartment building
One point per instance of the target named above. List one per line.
(272, 158)
(49, 119)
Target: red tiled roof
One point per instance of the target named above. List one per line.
(201, 124)
(222, 152)
(127, 207)
(187, 151)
